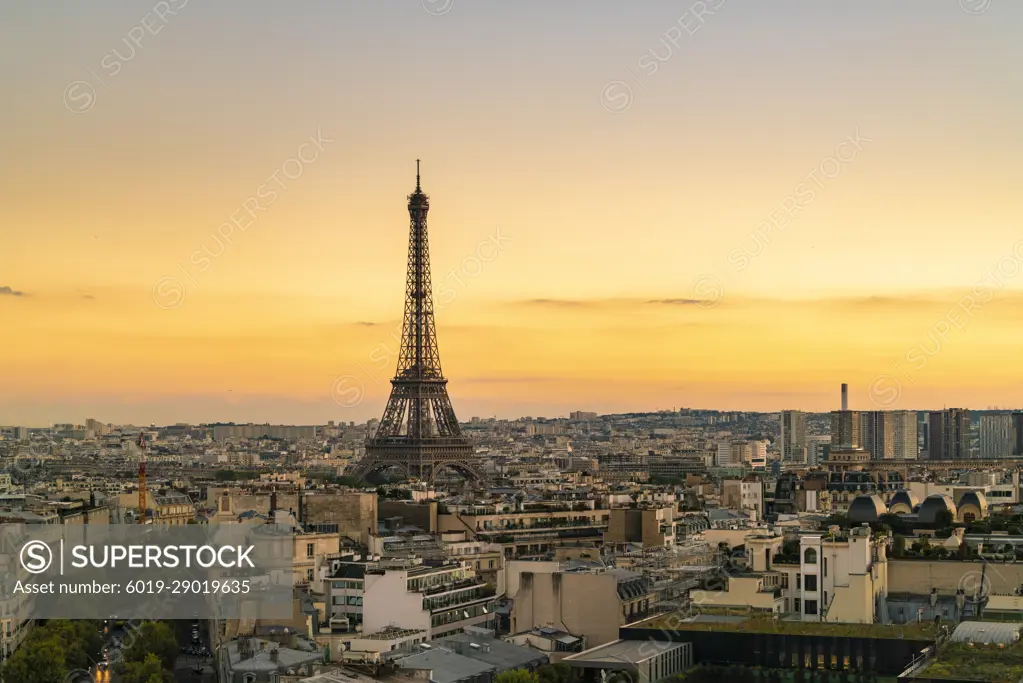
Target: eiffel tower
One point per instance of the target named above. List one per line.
(419, 432)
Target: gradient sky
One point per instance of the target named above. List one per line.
(615, 287)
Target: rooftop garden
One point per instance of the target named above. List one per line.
(968, 661)
(767, 624)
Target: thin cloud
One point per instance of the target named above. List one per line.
(566, 303)
(679, 302)
(90, 297)
(10, 291)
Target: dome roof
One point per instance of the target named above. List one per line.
(866, 509)
(934, 504)
(974, 498)
(907, 498)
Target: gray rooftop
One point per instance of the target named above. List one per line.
(620, 653)
(447, 666)
(986, 632)
(500, 654)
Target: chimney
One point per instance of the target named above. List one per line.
(273, 499)
(274, 655)
(845, 397)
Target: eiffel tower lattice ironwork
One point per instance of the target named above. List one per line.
(419, 432)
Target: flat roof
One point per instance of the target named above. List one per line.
(620, 654)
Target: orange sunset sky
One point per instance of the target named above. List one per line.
(613, 170)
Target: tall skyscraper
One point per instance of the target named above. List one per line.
(996, 437)
(845, 429)
(905, 443)
(1017, 433)
(877, 434)
(949, 434)
(816, 448)
(793, 435)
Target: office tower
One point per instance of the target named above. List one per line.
(845, 428)
(817, 448)
(904, 427)
(733, 454)
(877, 434)
(996, 438)
(845, 397)
(949, 434)
(759, 457)
(1017, 433)
(793, 434)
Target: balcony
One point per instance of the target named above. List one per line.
(453, 586)
(457, 600)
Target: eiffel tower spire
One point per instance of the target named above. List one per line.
(419, 431)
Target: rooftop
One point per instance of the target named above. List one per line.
(391, 634)
(619, 652)
(967, 661)
(678, 622)
(446, 666)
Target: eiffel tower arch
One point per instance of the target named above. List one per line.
(419, 432)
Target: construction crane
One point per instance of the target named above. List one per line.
(142, 478)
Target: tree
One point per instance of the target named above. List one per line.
(517, 676)
(944, 518)
(149, 670)
(555, 673)
(52, 650)
(154, 638)
(899, 546)
(36, 662)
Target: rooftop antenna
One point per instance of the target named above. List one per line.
(417, 176)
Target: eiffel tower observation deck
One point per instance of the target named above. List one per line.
(419, 432)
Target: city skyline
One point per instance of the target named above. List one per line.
(631, 275)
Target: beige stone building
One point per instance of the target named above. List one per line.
(653, 527)
(592, 604)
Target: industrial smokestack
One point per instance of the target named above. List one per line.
(845, 397)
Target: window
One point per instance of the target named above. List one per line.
(810, 582)
(810, 556)
(825, 603)
(824, 566)
(799, 581)
(310, 549)
(795, 606)
(810, 607)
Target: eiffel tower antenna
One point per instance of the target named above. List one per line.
(419, 432)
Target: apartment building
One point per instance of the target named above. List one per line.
(996, 436)
(745, 495)
(949, 434)
(652, 527)
(172, 509)
(592, 603)
(904, 426)
(792, 436)
(440, 600)
(528, 531)
(877, 434)
(832, 576)
(845, 428)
